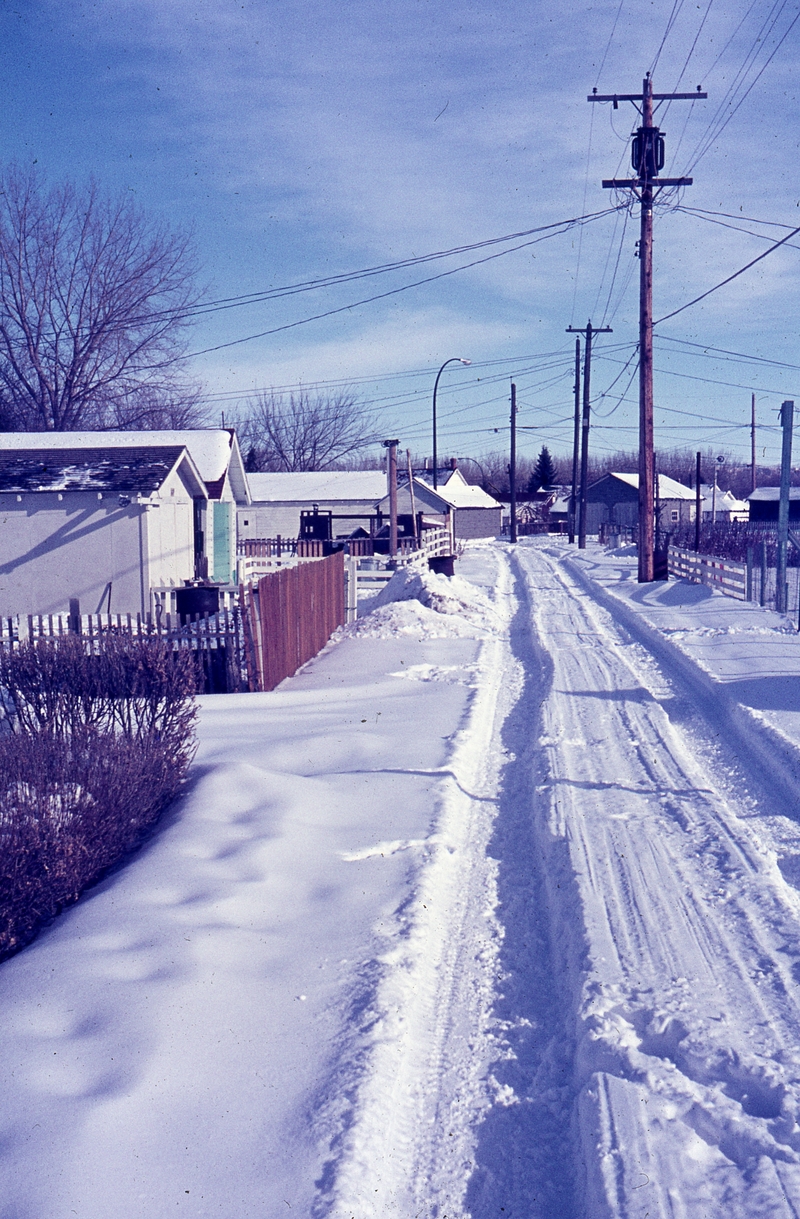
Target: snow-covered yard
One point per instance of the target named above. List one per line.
(492, 910)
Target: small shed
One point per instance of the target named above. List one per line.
(429, 507)
(105, 525)
(614, 498)
(277, 500)
(763, 504)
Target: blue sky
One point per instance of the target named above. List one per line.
(302, 140)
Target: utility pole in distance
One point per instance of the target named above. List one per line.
(752, 442)
(576, 441)
(647, 158)
(698, 500)
(588, 330)
(391, 445)
(512, 468)
(787, 420)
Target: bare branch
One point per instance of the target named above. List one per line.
(94, 303)
(302, 431)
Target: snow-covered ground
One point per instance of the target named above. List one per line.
(492, 910)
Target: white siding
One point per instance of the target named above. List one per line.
(53, 549)
(170, 533)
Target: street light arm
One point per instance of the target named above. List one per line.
(452, 360)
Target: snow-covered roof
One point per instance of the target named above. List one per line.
(459, 494)
(317, 486)
(462, 494)
(668, 488)
(772, 494)
(726, 500)
(133, 470)
(214, 451)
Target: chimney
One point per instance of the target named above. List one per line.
(453, 463)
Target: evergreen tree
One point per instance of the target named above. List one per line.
(544, 472)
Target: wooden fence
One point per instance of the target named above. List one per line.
(290, 616)
(724, 574)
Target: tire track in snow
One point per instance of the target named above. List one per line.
(687, 1018)
(409, 1149)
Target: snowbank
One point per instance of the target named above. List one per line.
(418, 602)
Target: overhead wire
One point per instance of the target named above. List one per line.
(720, 119)
(562, 228)
(608, 44)
(729, 278)
(677, 5)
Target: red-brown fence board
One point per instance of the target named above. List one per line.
(298, 610)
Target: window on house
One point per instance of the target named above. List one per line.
(674, 514)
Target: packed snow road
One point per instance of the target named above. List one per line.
(490, 911)
(676, 938)
(646, 973)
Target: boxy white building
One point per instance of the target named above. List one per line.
(103, 525)
(278, 499)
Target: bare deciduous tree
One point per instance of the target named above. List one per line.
(304, 431)
(94, 301)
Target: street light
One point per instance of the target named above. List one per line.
(452, 360)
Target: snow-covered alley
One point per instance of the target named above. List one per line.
(492, 910)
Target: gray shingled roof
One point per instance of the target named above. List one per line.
(130, 471)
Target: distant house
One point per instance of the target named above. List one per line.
(215, 454)
(722, 506)
(467, 511)
(614, 498)
(763, 504)
(425, 507)
(104, 525)
(277, 501)
(477, 514)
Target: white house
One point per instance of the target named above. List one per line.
(477, 514)
(104, 525)
(278, 499)
(722, 506)
(215, 454)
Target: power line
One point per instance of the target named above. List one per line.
(564, 227)
(728, 280)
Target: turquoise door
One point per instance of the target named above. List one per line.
(222, 542)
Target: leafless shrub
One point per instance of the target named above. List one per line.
(102, 739)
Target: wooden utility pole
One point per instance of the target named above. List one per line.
(698, 500)
(787, 421)
(588, 330)
(647, 158)
(391, 445)
(414, 523)
(752, 442)
(576, 441)
(512, 468)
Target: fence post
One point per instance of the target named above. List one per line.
(748, 595)
(762, 598)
